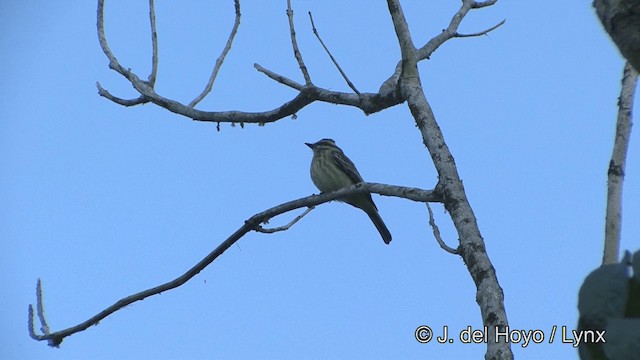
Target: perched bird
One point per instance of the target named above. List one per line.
(331, 170)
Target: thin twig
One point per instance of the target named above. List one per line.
(154, 44)
(124, 102)
(31, 324)
(294, 43)
(483, 32)
(279, 78)
(436, 234)
(481, 4)
(44, 327)
(613, 219)
(220, 59)
(344, 76)
(260, 229)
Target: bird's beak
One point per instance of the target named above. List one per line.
(310, 145)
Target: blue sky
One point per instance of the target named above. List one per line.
(101, 201)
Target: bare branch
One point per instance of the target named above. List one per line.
(481, 4)
(344, 76)
(294, 43)
(450, 32)
(252, 223)
(369, 103)
(154, 43)
(436, 234)
(613, 220)
(220, 59)
(113, 62)
(483, 32)
(124, 102)
(30, 323)
(434, 43)
(102, 38)
(40, 306)
(489, 295)
(260, 229)
(53, 340)
(279, 78)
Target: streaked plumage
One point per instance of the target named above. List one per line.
(331, 170)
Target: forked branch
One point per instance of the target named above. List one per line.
(472, 249)
(368, 102)
(253, 223)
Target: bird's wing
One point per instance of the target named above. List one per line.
(347, 166)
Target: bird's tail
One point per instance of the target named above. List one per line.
(377, 221)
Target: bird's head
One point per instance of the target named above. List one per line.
(324, 144)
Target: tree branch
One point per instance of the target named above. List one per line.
(436, 234)
(489, 296)
(253, 223)
(260, 229)
(434, 43)
(481, 4)
(154, 43)
(114, 64)
(613, 219)
(124, 102)
(483, 32)
(344, 76)
(279, 78)
(369, 103)
(294, 44)
(220, 59)
(452, 29)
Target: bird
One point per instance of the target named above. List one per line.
(331, 170)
